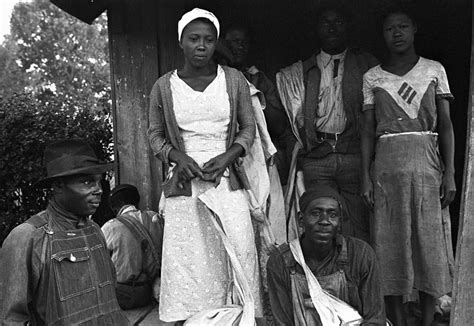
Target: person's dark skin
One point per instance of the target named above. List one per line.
(237, 41)
(331, 29)
(198, 42)
(79, 194)
(399, 32)
(321, 221)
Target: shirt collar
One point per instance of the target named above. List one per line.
(252, 70)
(66, 219)
(341, 249)
(126, 209)
(326, 58)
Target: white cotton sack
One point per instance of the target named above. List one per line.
(332, 310)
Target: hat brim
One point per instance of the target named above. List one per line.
(93, 169)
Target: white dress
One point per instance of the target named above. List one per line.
(195, 274)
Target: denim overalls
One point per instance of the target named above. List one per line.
(304, 312)
(79, 278)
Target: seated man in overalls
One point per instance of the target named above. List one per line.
(134, 239)
(55, 268)
(344, 266)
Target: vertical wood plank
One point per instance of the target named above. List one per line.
(463, 293)
(134, 61)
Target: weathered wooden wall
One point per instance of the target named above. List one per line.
(143, 46)
(133, 37)
(463, 294)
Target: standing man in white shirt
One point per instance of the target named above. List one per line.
(332, 116)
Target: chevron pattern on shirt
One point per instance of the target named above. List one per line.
(407, 92)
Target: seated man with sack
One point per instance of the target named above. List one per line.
(134, 241)
(344, 266)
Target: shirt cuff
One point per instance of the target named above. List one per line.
(446, 96)
(366, 107)
(164, 153)
(244, 145)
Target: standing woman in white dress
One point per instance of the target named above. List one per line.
(200, 123)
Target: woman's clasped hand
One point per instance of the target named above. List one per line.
(187, 169)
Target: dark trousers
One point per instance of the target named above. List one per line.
(133, 296)
(342, 172)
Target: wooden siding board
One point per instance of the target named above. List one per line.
(463, 291)
(134, 55)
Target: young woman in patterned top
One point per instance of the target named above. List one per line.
(408, 127)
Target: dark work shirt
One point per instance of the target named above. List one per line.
(361, 271)
(277, 120)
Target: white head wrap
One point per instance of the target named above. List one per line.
(194, 14)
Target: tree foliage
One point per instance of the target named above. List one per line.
(12, 78)
(26, 126)
(58, 55)
(54, 84)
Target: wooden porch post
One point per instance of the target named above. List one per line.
(462, 312)
(133, 36)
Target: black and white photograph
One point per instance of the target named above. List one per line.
(236, 163)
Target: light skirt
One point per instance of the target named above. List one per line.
(412, 236)
(195, 271)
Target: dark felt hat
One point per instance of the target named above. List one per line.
(69, 157)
